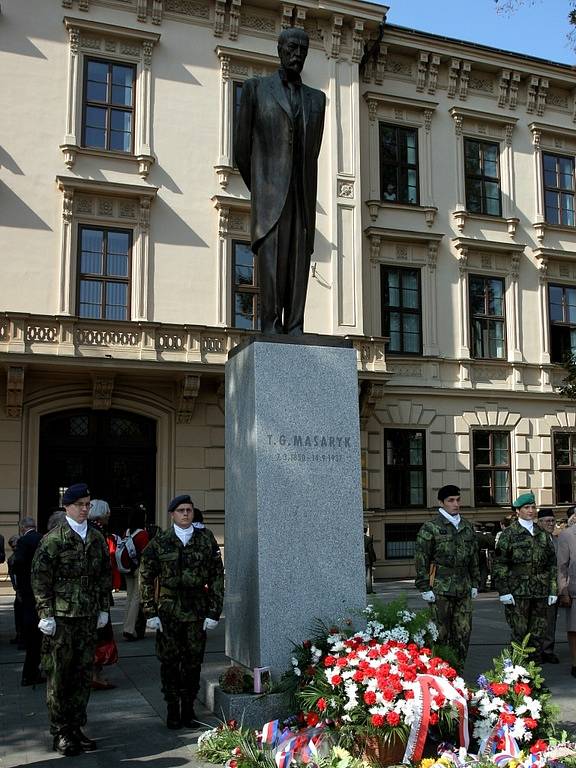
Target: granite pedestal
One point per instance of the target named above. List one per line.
(294, 544)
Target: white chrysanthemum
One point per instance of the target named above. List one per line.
(518, 730)
(432, 630)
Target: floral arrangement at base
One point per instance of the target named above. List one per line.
(512, 694)
(236, 680)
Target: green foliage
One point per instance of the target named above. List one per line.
(218, 745)
(568, 388)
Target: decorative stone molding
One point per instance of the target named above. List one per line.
(336, 40)
(219, 17)
(371, 394)
(536, 95)
(14, 391)
(508, 89)
(345, 188)
(483, 125)
(83, 5)
(236, 65)
(287, 13)
(187, 397)
(102, 389)
(105, 204)
(427, 68)
(357, 41)
(123, 44)
(377, 207)
(234, 20)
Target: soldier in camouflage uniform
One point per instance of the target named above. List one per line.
(525, 575)
(447, 572)
(71, 582)
(182, 585)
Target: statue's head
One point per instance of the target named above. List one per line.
(293, 49)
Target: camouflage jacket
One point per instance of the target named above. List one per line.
(524, 565)
(446, 558)
(186, 582)
(71, 577)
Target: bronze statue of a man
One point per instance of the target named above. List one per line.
(278, 137)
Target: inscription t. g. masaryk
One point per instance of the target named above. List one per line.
(320, 449)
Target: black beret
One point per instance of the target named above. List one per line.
(545, 512)
(177, 500)
(75, 492)
(448, 490)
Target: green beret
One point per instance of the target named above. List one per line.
(525, 498)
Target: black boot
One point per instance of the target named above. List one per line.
(88, 745)
(66, 743)
(187, 715)
(173, 715)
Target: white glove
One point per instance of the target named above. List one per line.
(474, 593)
(209, 624)
(552, 599)
(154, 623)
(507, 600)
(47, 626)
(429, 597)
(102, 619)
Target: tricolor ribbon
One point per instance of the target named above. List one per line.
(423, 700)
(270, 733)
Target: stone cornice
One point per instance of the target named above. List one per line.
(384, 98)
(414, 236)
(105, 187)
(100, 28)
(482, 116)
(494, 246)
(239, 54)
(554, 130)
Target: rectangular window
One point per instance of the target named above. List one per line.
(558, 189)
(108, 107)
(492, 471)
(487, 317)
(565, 467)
(401, 310)
(562, 311)
(245, 290)
(400, 540)
(405, 468)
(399, 164)
(482, 173)
(104, 273)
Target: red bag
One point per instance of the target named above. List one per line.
(106, 653)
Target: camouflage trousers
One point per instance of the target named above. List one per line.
(67, 659)
(528, 615)
(180, 650)
(453, 617)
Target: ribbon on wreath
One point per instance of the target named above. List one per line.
(425, 684)
(300, 746)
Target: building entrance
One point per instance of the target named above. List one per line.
(113, 451)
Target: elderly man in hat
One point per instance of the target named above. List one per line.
(525, 575)
(71, 583)
(182, 585)
(447, 571)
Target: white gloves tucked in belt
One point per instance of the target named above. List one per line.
(47, 626)
(429, 597)
(102, 619)
(474, 593)
(552, 599)
(209, 624)
(154, 623)
(507, 599)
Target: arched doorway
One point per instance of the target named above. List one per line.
(113, 451)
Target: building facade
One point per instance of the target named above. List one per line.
(445, 250)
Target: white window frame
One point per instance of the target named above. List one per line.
(116, 44)
(105, 204)
(233, 224)
(405, 113)
(473, 124)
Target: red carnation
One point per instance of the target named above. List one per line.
(433, 718)
(530, 723)
(329, 661)
(392, 718)
(499, 689)
(341, 662)
(312, 718)
(358, 676)
(409, 694)
(507, 718)
(336, 680)
(522, 688)
(539, 746)
(321, 704)
(377, 720)
(370, 698)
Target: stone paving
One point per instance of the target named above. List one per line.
(128, 722)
